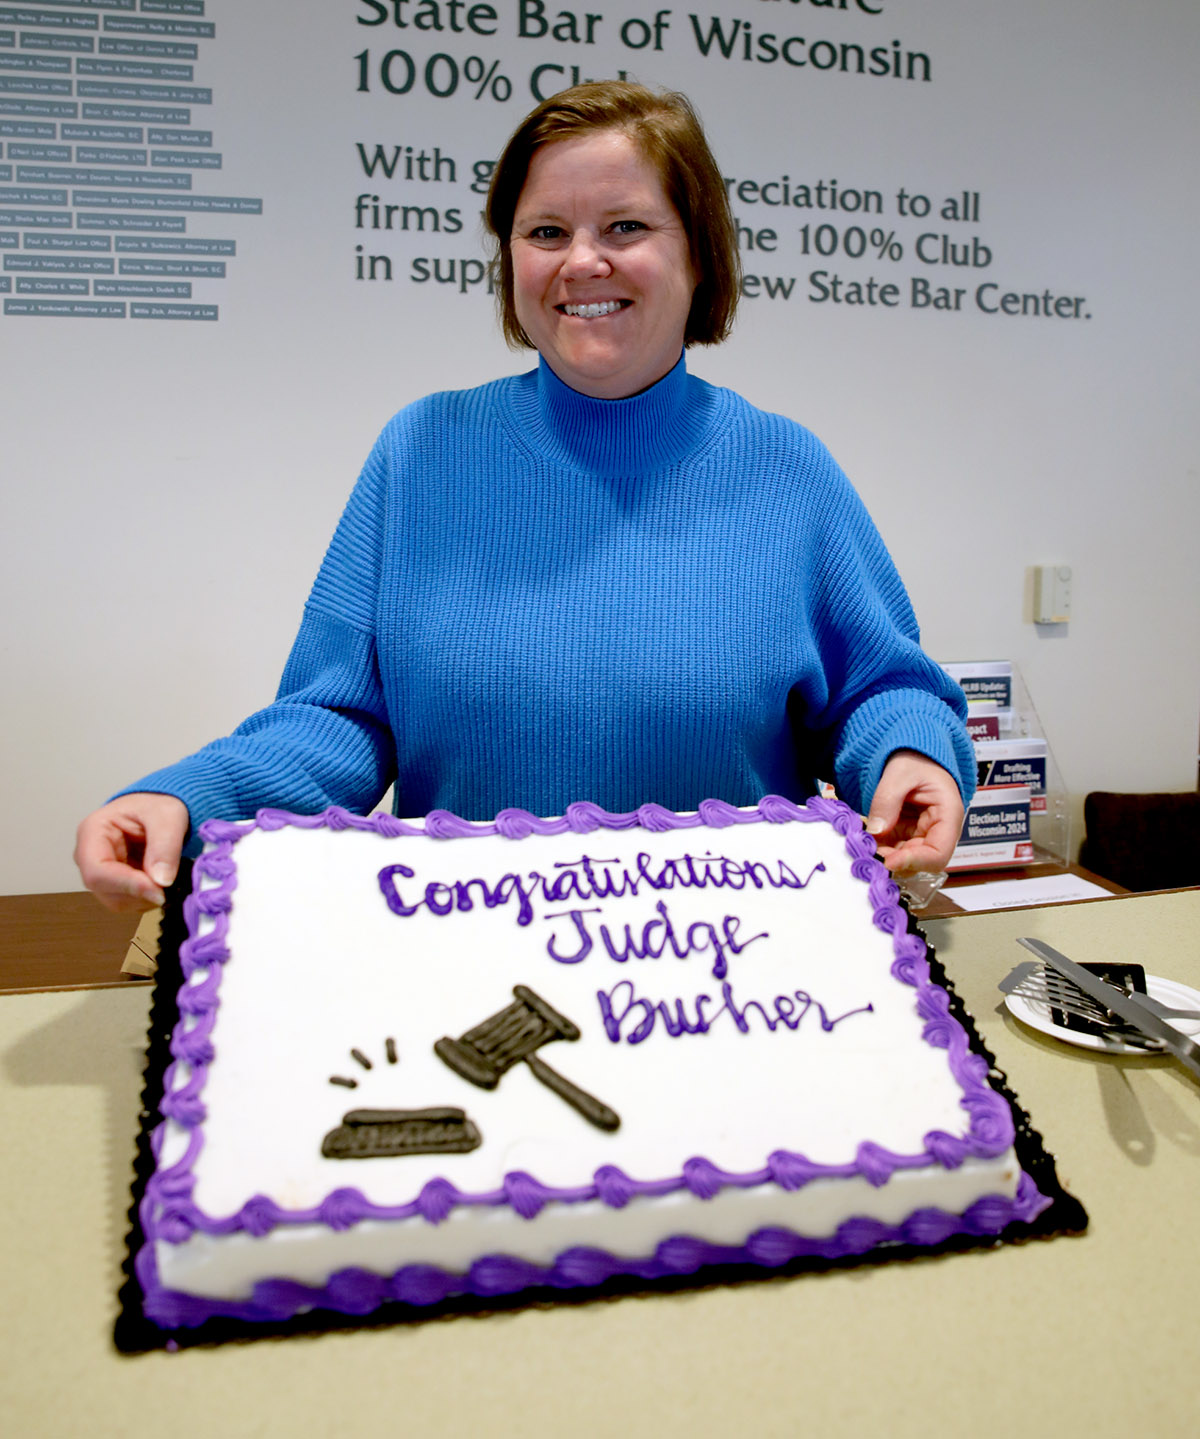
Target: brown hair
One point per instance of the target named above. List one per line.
(668, 132)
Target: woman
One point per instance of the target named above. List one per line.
(604, 579)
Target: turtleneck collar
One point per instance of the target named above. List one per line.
(633, 436)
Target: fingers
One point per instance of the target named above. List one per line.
(916, 814)
(163, 848)
(102, 853)
(885, 810)
(896, 782)
(128, 851)
(914, 855)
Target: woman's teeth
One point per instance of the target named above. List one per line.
(593, 312)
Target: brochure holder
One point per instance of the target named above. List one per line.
(1020, 814)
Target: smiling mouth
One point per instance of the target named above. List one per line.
(593, 311)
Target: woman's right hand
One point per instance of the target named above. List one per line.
(128, 851)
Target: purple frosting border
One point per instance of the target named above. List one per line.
(168, 1213)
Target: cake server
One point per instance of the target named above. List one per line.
(1038, 984)
(1186, 1051)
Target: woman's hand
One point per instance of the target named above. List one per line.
(916, 813)
(128, 851)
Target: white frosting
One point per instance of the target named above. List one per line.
(320, 965)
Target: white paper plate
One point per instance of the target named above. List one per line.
(1037, 1016)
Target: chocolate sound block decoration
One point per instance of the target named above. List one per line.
(384, 1133)
(510, 1036)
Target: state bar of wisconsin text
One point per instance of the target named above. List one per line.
(457, 15)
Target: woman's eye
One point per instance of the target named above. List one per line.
(628, 227)
(546, 232)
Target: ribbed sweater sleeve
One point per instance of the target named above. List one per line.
(874, 690)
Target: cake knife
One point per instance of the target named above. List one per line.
(1186, 1051)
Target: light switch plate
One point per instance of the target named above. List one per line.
(1052, 594)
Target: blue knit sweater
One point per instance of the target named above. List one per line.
(534, 597)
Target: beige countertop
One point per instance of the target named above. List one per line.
(1096, 1335)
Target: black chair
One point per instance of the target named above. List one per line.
(1143, 841)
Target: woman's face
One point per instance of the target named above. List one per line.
(602, 274)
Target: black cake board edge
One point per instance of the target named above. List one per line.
(134, 1333)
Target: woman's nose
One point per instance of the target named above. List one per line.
(585, 255)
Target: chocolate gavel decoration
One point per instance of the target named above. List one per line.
(486, 1052)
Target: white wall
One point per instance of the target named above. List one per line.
(169, 486)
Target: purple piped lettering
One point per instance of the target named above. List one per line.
(585, 939)
(440, 898)
(678, 1023)
(516, 885)
(623, 1000)
(612, 1021)
(658, 933)
(565, 885)
(590, 878)
(607, 889)
(739, 1015)
(720, 967)
(387, 885)
(630, 946)
(785, 1010)
(434, 900)
(730, 925)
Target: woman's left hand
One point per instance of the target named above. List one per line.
(916, 813)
